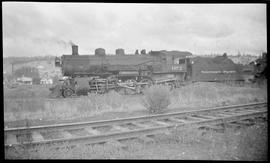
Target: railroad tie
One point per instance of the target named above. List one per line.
(11, 139)
(92, 131)
(194, 118)
(206, 117)
(222, 115)
(119, 128)
(229, 113)
(140, 125)
(176, 120)
(253, 111)
(251, 108)
(160, 123)
(66, 134)
(37, 136)
(184, 121)
(146, 139)
(213, 127)
(239, 112)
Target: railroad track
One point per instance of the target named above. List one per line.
(136, 127)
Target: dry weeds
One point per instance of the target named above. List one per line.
(32, 103)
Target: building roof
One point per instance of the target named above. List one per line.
(43, 79)
(25, 79)
(174, 53)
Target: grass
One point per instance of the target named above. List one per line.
(216, 94)
(234, 144)
(32, 103)
(25, 104)
(248, 143)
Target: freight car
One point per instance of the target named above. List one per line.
(101, 72)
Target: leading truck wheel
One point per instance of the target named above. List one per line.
(147, 83)
(67, 93)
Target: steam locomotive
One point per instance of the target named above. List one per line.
(101, 72)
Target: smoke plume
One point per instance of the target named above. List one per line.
(71, 43)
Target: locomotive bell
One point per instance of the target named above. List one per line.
(75, 50)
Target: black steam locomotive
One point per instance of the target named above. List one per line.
(101, 72)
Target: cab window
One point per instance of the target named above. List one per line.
(182, 61)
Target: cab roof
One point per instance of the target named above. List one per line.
(174, 53)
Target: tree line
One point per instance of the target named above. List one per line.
(27, 71)
(20, 60)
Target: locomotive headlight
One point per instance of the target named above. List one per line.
(192, 62)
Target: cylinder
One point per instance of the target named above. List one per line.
(75, 50)
(120, 52)
(100, 52)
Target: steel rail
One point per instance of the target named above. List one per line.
(90, 139)
(125, 120)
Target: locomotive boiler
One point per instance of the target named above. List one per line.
(102, 72)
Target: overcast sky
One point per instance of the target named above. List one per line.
(38, 28)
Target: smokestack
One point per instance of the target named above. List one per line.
(75, 50)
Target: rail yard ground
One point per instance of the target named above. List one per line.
(30, 106)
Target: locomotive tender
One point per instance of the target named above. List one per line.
(101, 73)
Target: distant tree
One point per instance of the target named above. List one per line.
(143, 51)
(8, 77)
(31, 72)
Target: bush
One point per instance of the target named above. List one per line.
(157, 98)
